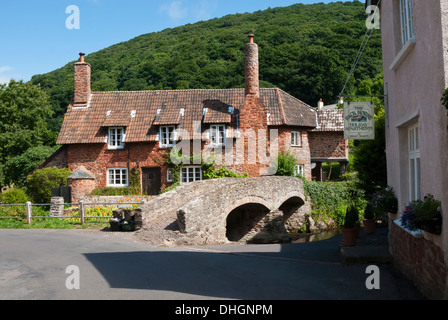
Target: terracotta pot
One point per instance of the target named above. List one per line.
(369, 226)
(349, 237)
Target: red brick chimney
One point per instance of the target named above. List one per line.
(82, 81)
(251, 68)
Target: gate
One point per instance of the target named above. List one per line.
(64, 192)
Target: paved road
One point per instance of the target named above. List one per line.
(33, 265)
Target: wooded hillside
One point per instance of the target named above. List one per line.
(306, 50)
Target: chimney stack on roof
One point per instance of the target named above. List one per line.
(82, 82)
(251, 68)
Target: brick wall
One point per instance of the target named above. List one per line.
(419, 259)
(328, 144)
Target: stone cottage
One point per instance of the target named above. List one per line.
(107, 134)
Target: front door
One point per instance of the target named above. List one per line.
(151, 180)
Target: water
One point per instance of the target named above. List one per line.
(313, 237)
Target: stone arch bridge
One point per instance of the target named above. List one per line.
(257, 210)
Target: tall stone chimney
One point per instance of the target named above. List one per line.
(251, 68)
(82, 82)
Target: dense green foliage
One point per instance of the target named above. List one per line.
(332, 199)
(286, 164)
(306, 50)
(14, 196)
(25, 140)
(40, 183)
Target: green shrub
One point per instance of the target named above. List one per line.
(14, 196)
(286, 164)
(40, 183)
(331, 199)
(351, 217)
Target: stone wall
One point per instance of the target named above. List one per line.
(420, 259)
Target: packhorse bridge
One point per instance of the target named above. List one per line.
(256, 210)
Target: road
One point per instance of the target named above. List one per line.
(34, 265)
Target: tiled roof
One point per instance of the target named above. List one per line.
(141, 112)
(330, 120)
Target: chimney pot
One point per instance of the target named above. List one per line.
(81, 56)
(251, 38)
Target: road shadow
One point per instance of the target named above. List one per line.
(305, 271)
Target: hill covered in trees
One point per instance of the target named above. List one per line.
(306, 50)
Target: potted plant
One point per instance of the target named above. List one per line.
(424, 215)
(369, 219)
(348, 231)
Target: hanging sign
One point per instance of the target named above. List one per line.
(359, 121)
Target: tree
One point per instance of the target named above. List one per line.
(40, 183)
(24, 109)
(369, 156)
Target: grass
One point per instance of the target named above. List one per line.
(71, 221)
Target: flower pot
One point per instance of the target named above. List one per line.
(349, 237)
(369, 226)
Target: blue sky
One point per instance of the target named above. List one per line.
(36, 40)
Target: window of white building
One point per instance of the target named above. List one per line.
(414, 163)
(407, 20)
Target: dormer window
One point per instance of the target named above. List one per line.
(167, 137)
(116, 138)
(218, 135)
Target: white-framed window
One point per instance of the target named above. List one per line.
(299, 170)
(190, 174)
(117, 177)
(296, 139)
(218, 135)
(170, 175)
(407, 20)
(414, 163)
(116, 138)
(167, 136)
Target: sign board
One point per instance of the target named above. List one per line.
(359, 121)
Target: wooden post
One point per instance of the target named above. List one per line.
(28, 213)
(82, 211)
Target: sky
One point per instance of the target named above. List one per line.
(40, 36)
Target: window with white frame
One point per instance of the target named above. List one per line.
(190, 174)
(170, 175)
(407, 20)
(299, 170)
(117, 177)
(167, 137)
(296, 139)
(414, 163)
(218, 135)
(116, 138)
